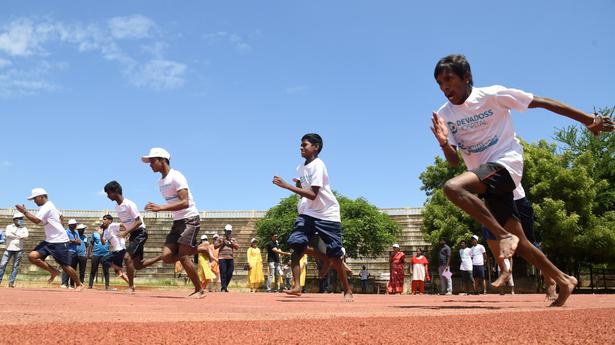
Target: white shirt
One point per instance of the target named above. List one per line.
(466, 259)
(477, 255)
(112, 234)
(127, 212)
(15, 237)
(363, 274)
(519, 192)
(169, 186)
(50, 219)
(325, 206)
(482, 127)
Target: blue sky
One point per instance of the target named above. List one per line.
(230, 87)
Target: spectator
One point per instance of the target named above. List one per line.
(255, 266)
(479, 257)
(273, 261)
(205, 259)
(419, 268)
(73, 243)
(215, 267)
(509, 282)
(81, 251)
(396, 266)
(227, 247)
(444, 268)
(303, 263)
(465, 255)
(15, 235)
(363, 276)
(2, 237)
(97, 252)
(287, 273)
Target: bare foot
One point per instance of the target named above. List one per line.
(130, 290)
(123, 276)
(78, 288)
(507, 246)
(551, 294)
(502, 279)
(197, 294)
(324, 269)
(565, 292)
(53, 276)
(294, 291)
(348, 297)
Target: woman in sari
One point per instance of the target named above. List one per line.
(255, 272)
(397, 262)
(419, 270)
(206, 258)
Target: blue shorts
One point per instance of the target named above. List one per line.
(478, 271)
(306, 227)
(59, 252)
(116, 258)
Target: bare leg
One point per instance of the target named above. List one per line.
(462, 191)
(74, 276)
(130, 272)
(296, 289)
(35, 258)
(324, 259)
(341, 275)
(147, 262)
(550, 286)
(185, 257)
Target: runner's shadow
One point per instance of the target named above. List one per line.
(437, 307)
(168, 297)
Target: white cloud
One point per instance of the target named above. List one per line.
(297, 90)
(25, 82)
(4, 63)
(160, 75)
(235, 40)
(135, 27)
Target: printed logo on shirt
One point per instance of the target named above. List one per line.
(167, 189)
(470, 122)
(480, 147)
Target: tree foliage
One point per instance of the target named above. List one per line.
(366, 232)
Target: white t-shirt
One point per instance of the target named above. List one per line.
(363, 274)
(50, 219)
(169, 186)
(127, 212)
(112, 234)
(482, 127)
(519, 192)
(325, 206)
(466, 259)
(477, 255)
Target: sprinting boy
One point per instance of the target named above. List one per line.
(134, 226)
(319, 212)
(111, 232)
(180, 244)
(56, 239)
(477, 121)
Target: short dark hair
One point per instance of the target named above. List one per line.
(463, 241)
(456, 63)
(113, 187)
(108, 216)
(314, 139)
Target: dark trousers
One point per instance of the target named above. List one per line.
(73, 264)
(99, 260)
(227, 266)
(364, 285)
(81, 262)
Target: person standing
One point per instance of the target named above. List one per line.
(81, 251)
(226, 257)
(97, 251)
(397, 261)
(465, 255)
(419, 269)
(363, 277)
(204, 262)
(15, 234)
(479, 257)
(56, 239)
(273, 261)
(303, 263)
(444, 268)
(215, 265)
(255, 263)
(180, 243)
(73, 243)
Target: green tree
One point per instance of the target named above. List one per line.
(366, 231)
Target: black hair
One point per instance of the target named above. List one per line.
(162, 159)
(113, 187)
(463, 241)
(314, 139)
(456, 63)
(108, 216)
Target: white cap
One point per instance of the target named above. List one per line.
(156, 152)
(474, 237)
(72, 222)
(228, 227)
(203, 237)
(396, 245)
(343, 251)
(216, 236)
(37, 192)
(17, 215)
(81, 226)
(253, 240)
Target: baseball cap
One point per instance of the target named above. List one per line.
(17, 215)
(253, 240)
(396, 245)
(37, 192)
(203, 237)
(216, 236)
(81, 226)
(228, 227)
(72, 222)
(474, 237)
(156, 152)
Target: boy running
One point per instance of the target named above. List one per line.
(131, 218)
(111, 232)
(319, 212)
(477, 121)
(180, 244)
(56, 239)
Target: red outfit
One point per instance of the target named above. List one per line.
(396, 283)
(419, 284)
